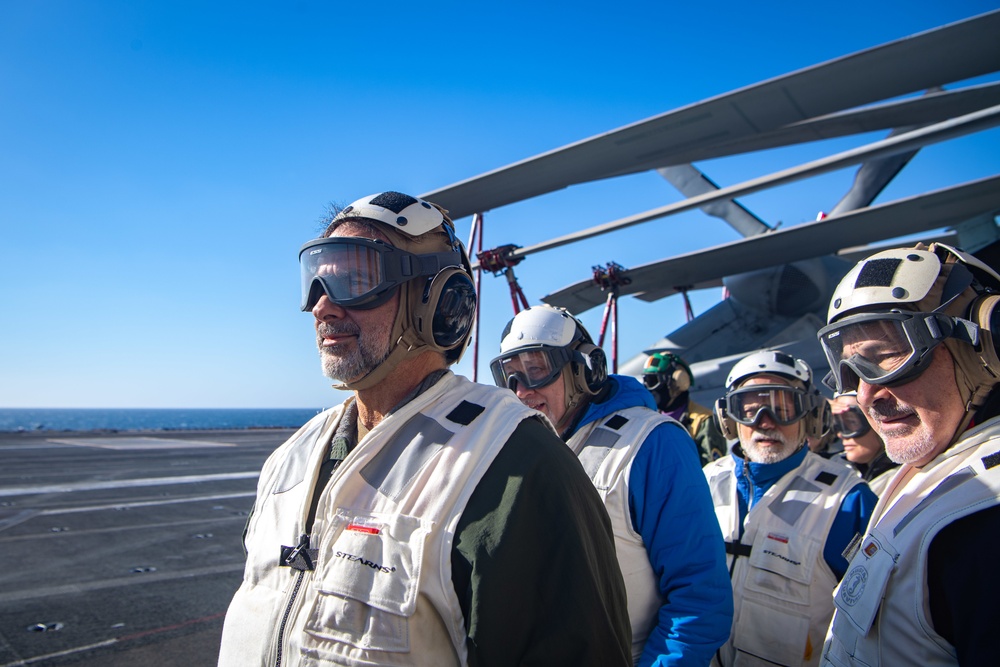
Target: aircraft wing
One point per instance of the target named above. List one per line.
(931, 108)
(897, 68)
(705, 268)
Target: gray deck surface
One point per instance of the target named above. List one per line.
(122, 548)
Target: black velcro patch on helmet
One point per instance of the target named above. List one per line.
(991, 461)
(394, 201)
(784, 359)
(465, 413)
(877, 273)
(616, 422)
(827, 478)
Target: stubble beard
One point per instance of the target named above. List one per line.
(908, 447)
(346, 365)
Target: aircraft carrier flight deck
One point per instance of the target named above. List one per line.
(123, 548)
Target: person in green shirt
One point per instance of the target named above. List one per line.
(428, 519)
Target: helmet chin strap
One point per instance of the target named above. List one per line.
(574, 396)
(400, 352)
(974, 379)
(407, 345)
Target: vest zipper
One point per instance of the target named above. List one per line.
(300, 558)
(284, 618)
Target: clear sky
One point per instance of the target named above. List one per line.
(162, 162)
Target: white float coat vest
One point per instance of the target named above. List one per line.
(381, 592)
(606, 448)
(782, 589)
(880, 483)
(882, 604)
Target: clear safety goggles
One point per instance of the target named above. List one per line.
(851, 423)
(362, 273)
(783, 404)
(887, 349)
(529, 367)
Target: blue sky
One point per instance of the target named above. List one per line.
(162, 162)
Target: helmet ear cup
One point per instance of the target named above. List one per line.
(680, 380)
(819, 420)
(594, 367)
(444, 314)
(726, 425)
(985, 311)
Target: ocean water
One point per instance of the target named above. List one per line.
(160, 419)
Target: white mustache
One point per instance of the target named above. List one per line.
(770, 434)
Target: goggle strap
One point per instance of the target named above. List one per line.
(965, 331)
(430, 264)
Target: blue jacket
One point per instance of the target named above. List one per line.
(672, 510)
(852, 517)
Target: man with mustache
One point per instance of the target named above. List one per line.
(786, 513)
(428, 520)
(912, 331)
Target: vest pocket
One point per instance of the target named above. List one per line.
(767, 634)
(859, 595)
(836, 654)
(781, 565)
(367, 582)
(773, 623)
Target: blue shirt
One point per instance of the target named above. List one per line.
(671, 509)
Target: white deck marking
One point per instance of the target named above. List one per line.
(127, 443)
(61, 654)
(117, 582)
(146, 503)
(70, 487)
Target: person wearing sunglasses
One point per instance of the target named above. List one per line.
(913, 332)
(862, 446)
(645, 467)
(786, 514)
(428, 520)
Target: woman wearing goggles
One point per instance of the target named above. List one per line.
(851, 423)
(529, 368)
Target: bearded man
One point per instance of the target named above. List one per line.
(913, 332)
(402, 527)
(786, 513)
